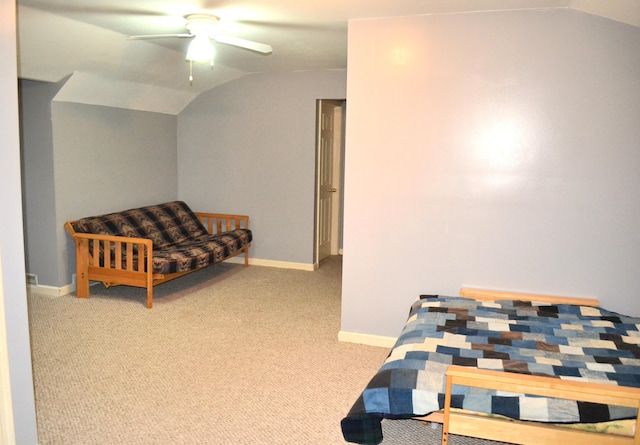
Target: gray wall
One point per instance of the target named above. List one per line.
(81, 160)
(11, 238)
(108, 159)
(38, 182)
(246, 147)
(249, 147)
(493, 150)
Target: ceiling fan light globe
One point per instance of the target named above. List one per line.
(201, 49)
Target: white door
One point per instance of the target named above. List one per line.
(329, 143)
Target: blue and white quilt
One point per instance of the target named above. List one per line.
(564, 341)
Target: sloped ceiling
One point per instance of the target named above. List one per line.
(86, 40)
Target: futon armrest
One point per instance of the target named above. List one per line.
(122, 252)
(222, 222)
(110, 238)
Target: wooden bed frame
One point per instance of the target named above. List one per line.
(523, 432)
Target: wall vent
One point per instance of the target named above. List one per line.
(32, 279)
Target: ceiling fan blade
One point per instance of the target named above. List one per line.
(242, 43)
(158, 36)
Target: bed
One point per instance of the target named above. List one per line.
(511, 367)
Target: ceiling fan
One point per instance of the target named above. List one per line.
(203, 28)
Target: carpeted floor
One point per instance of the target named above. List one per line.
(228, 355)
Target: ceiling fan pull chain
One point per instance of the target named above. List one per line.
(191, 72)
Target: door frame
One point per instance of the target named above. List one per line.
(7, 429)
(338, 178)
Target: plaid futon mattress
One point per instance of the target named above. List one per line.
(180, 242)
(200, 251)
(565, 341)
(165, 224)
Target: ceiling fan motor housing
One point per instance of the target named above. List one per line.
(202, 24)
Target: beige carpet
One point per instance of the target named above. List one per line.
(227, 355)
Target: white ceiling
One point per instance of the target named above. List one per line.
(60, 37)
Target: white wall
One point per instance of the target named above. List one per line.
(249, 147)
(494, 150)
(11, 241)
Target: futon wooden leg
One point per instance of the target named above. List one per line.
(82, 269)
(149, 297)
(82, 285)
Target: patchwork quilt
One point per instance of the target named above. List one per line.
(564, 341)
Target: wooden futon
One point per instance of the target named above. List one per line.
(150, 245)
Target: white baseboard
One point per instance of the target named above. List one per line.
(52, 291)
(366, 339)
(273, 263)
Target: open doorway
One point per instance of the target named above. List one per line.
(330, 124)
